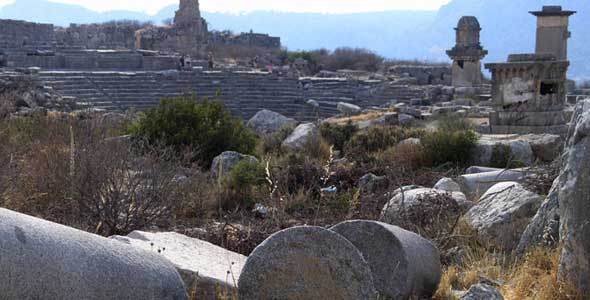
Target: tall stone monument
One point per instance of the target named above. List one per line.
(529, 91)
(188, 35)
(467, 53)
(552, 31)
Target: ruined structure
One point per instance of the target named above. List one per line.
(529, 91)
(467, 53)
(188, 34)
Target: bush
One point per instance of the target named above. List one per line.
(454, 147)
(244, 182)
(202, 127)
(338, 135)
(353, 59)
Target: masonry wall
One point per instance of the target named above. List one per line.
(112, 35)
(21, 34)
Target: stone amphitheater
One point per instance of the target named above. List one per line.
(117, 66)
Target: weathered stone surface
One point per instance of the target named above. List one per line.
(575, 204)
(202, 265)
(544, 227)
(520, 149)
(546, 147)
(348, 109)
(405, 119)
(301, 136)
(479, 169)
(369, 183)
(306, 263)
(447, 184)
(411, 142)
(482, 292)
(226, 161)
(411, 202)
(474, 185)
(404, 264)
(268, 122)
(502, 214)
(44, 260)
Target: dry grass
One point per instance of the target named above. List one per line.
(358, 118)
(531, 278)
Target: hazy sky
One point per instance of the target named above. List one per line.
(329, 6)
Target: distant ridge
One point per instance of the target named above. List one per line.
(507, 27)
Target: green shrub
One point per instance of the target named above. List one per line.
(203, 128)
(244, 185)
(338, 135)
(454, 147)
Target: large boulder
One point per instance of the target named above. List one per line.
(544, 227)
(482, 292)
(502, 214)
(575, 202)
(204, 267)
(489, 146)
(415, 205)
(268, 122)
(404, 264)
(301, 136)
(44, 260)
(226, 161)
(448, 185)
(348, 109)
(546, 147)
(306, 263)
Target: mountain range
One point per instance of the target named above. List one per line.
(507, 27)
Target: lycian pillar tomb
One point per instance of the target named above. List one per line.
(552, 31)
(467, 54)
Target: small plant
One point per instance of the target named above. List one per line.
(378, 138)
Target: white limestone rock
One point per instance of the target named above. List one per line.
(447, 184)
(201, 264)
(521, 150)
(301, 136)
(44, 260)
(502, 214)
(224, 163)
(267, 122)
(482, 292)
(348, 109)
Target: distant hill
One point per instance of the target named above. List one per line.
(507, 27)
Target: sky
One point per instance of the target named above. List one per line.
(235, 6)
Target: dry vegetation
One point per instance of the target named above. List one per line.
(78, 170)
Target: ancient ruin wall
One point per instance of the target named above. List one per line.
(111, 35)
(21, 34)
